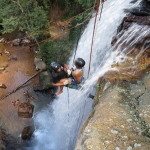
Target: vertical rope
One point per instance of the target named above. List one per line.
(101, 2)
(68, 102)
(77, 41)
(79, 35)
(90, 60)
(93, 36)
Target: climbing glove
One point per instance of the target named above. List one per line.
(66, 82)
(69, 72)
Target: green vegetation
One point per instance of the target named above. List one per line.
(33, 16)
(85, 3)
(42, 77)
(58, 50)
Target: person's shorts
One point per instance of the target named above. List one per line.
(73, 81)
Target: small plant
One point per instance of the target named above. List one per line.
(42, 77)
(98, 86)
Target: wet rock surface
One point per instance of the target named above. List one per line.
(119, 121)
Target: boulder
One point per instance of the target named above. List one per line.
(27, 133)
(39, 64)
(25, 110)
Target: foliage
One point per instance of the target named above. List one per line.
(75, 33)
(75, 7)
(58, 50)
(85, 3)
(69, 12)
(31, 16)
(43, 36)
(42, 77)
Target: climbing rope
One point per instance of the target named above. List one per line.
(100, 7)
(78, 126)
(94, 33)
(66, 20)
(20, 85)
(68, 102)
(78, 39)
(79, 14)
(50, 39)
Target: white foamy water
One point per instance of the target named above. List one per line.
(58, 124)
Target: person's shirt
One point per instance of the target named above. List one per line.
(77, 74)
(57, 76)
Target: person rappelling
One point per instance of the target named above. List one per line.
(59, 71)
(71, 76)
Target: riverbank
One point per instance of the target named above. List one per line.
(18, 70)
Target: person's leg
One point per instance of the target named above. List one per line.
(60, 90)
(61, 82)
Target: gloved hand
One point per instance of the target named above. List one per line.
(72, 69)
(66, 82)
(69, 72)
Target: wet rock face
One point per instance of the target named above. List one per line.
(131, 67)
(145, 5)
(119, 122)
(126, 24)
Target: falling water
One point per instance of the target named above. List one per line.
(57, 125)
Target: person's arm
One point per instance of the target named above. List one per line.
(66, 66)
(67, 69)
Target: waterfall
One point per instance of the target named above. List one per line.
(58, 124)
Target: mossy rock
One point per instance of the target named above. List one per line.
(45, 82)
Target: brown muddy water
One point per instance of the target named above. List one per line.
(17, 72)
